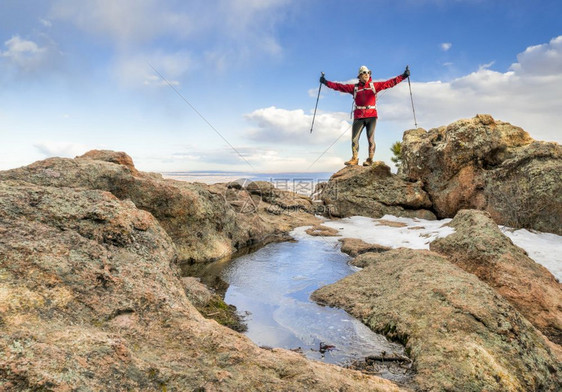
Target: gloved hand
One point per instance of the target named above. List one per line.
(322, 79)
(406, 73)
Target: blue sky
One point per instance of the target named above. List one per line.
(80, 75)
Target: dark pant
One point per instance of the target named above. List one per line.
(369, 123)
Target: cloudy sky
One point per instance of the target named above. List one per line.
(231, 85)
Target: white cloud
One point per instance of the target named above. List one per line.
(136, 70)
(445, 46)
(253, 21)
(124, 22)
(276, 158)
(24, 54)
(274, 125)
(264, 159)
(233, 31)
(486, 66)
(527, 95)
(541, 60)
(60, 149)
(313, 92)
(46, 22)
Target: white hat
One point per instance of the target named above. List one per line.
(363, 69)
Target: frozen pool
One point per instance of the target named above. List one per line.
(273, 285)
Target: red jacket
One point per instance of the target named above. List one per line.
(365, 98)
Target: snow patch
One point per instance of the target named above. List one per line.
(395, 232)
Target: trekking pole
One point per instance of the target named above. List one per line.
(412, 99)
(316, 107)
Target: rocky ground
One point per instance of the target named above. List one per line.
(91, 299)
(206, 222)
(92, 296)
(459, 332)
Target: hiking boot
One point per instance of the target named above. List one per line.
(352, 162)
(368, 162)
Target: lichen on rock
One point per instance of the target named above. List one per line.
(374, 192)
(479, 247)
(459, 332)
(91, 299)
(202, 220)
(490, 165)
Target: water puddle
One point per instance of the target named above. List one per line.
(272, 287)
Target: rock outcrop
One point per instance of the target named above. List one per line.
(90, 298)
(373, 192)
(322, 231)
(461, 335)
(205, 222)
(490, 165)
(479, 247)
(478, 163)
(355, 247)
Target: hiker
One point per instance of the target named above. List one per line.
(365, 113)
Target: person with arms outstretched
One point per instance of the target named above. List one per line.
(365, 110)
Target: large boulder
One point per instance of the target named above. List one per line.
(373, 192)
(479, 247)
(205, 222)
(490, 165)
(461, 335)
(90, 300)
